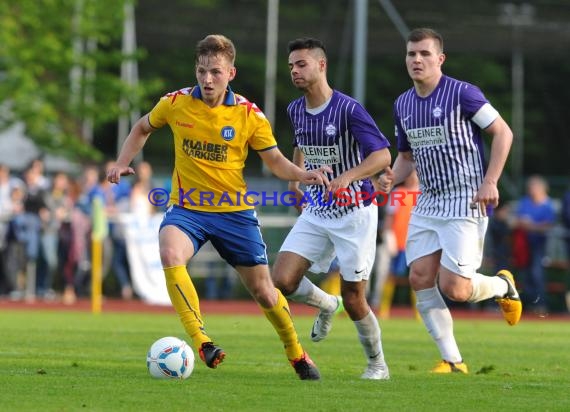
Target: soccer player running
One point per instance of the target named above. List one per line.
(438, 131)
(334, 130)
(212, 128)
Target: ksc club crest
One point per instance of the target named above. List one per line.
(228, 133)
(330, 130)
(437, 112)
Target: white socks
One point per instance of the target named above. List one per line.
(437, 318)
(438, 321)
(370, 337)
(486, 287)
(309, 293)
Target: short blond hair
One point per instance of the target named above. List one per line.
(216, 44)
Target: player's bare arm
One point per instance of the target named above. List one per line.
(488, 194)
(134, 143)
(372, 164)
(404, 165)
(299, 160)
(284, 169)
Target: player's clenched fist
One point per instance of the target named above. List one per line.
(386, 180)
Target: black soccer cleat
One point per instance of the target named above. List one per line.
(305, 368)
(211, 354)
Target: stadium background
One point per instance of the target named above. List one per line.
(481, 42)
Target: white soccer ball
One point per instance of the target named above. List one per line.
(170, 357)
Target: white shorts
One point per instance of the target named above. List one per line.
(460, 240)
(352, 238)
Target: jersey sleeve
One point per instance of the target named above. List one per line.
(292, 123)
(399, 133)
(366, 132)
(261, 137)
(476, 107)
(158, 116)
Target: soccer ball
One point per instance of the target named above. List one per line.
(170, 357)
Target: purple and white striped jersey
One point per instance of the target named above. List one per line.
(443, 132)
(340, 136)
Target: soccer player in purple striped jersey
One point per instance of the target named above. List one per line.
(438, 130)
(333, 134)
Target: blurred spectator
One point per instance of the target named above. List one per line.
(37, 168)
(77, 264)
(7, 184)
(331, 280)
(25, 229)
(140, 204)
(499, 233)
(12, 259)
(34, 207)
(501, 239)
(384, 248)
(535, 216)
(54, 218)
(16, 245)
(566, 219)
(566, 223)
(217, 286)
(117, 199)
(395, 227)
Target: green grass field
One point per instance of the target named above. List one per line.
(81, 362)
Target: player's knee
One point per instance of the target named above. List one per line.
(284, 283)
(264, 296)
(455, 293)
(171, 256)
(419, 281)
(286, 288)
(261, 298)
(279, 282)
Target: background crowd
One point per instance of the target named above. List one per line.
(45, 230)
(45, 237)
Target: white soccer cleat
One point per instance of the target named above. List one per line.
(323, 322)
(376, 370)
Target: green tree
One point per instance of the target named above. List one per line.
(60, 67)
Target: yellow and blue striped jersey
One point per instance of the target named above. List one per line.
(211, 145)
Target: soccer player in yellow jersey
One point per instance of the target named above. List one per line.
(213, 128)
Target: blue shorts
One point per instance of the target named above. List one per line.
(398, 265)
(235, 235)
